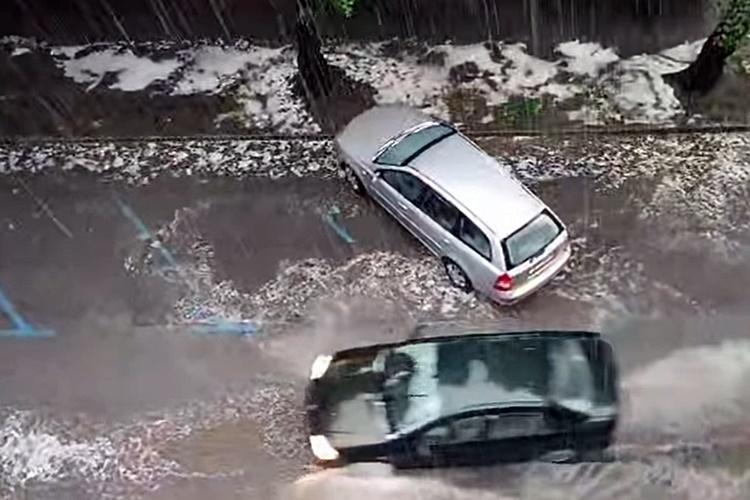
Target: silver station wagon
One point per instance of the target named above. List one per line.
(492, 234)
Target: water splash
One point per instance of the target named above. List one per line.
(692, 392)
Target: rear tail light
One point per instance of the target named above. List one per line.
(504, 282)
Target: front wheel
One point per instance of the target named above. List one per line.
(352, 179)
(457, 276)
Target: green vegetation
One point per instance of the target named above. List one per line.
(343, 7)
(734, 26)
(520, 109)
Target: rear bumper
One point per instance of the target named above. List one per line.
(532, 285)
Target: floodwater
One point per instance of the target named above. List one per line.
(127, 400)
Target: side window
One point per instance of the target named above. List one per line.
(457, 431)
(466, 430)
(438, 434)
(515, 425)
(470, 234)
(407, 185)
(442, 212)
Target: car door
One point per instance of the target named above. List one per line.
(475, 254)
(453, 441)
(438, 223)
(452, 234)
(400, 193)
(521, 436)
(507, 437)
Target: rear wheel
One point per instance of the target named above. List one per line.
(352, 179)
(457, 276)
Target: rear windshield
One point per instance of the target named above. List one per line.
(582, 370)
(411, 146)
(531, 239)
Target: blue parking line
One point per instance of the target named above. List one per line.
(145, 234)
(332, 219)
(218, 327)
(207, 325)
(27, 334)
(23, 329)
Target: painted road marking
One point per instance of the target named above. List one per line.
(212, 326)
(47, 210)
(332, 218)
(219, 326)
(146, 235)
(23, 329)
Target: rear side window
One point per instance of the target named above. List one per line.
(531, 239)
(439, 210)
(470, 234)
(406, 184)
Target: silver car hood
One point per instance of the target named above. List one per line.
(368, 131)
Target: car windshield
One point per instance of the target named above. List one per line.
(436, 380)
(530, 239)
(412, 145)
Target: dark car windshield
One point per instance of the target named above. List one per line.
(412, 145)
(575, 375)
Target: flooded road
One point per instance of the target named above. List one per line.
(132, 397)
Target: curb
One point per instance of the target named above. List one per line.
(475, 134)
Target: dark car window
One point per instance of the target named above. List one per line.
(414, 144)
(515, 425)
(439, 210)
(466, 430)
(531, 239)
(603, 372)
(470, 234)
(406, 184)
(583, 373)
(458, 430)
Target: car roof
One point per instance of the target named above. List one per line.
(477, 335)
(479, 183)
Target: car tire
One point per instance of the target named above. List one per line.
(457, 276)
(352, 179)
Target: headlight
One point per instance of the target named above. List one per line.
(322, 449)
(319, 366)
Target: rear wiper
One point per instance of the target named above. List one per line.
(565, 412)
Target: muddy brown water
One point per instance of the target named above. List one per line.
(114, 360)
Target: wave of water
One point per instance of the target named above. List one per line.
(692, 391)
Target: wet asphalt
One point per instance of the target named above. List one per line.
(115, 356)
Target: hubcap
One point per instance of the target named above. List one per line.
(456, 276)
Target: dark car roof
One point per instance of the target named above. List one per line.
(553, 334)
(426, 379)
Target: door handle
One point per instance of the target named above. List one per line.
(402, 206)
